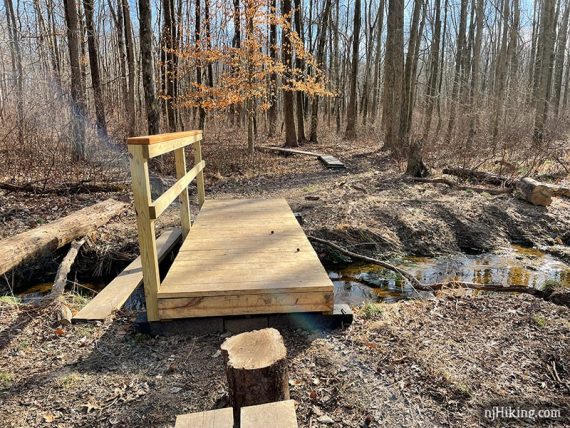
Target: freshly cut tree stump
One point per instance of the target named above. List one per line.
(534, 192)
(256, 368)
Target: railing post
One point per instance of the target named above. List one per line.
(180, 160)
(147, 241)
(200, 177)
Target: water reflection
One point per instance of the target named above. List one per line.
(517, 265)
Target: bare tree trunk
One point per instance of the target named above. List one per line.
(16, 57)
(77, 95)
(322, 38)
(500, 75)
(202, 112)
(129, 44)
(432, 85)
(378, 61)
(351, 113)
(272, 112)
(168, 66)
(457, 75)
(559, 67)
(300, 65)
(393, 73)
(546, 39)
(476, 74)
(152, 111)
(288, 95)
(92, 48)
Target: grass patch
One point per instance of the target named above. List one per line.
(539, 321)
(550, 285)
(69, 381)
(5, 380)
(10, 300)
(372, 310)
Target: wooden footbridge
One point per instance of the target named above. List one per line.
(238, 257)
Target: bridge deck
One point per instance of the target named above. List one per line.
(245, 256)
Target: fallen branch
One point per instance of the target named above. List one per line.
(408, 276)
(491, 191)
(52, 236)
(481, 176)
(417, 285)
(64, 268)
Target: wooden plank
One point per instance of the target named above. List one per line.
(245, 304)
(288, 151)
(116, 293)
(145, 225)
(219, 418)
(237, 281)
(160, 138)
(280, 414)
(331, 162)
(180, 161)
(200, 179)
(155, 150)
(157, 207)
(237, 256)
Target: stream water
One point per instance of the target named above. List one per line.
(359, 283)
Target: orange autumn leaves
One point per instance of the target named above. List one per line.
(244, 72)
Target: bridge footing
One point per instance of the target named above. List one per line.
(341, 317)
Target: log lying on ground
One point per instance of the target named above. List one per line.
(482, 176)
(256, 368)
(64, 268)
(48, 238)
(65, 188)
(489, 190)
(534, 192)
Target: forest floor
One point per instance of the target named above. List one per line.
(414, 363)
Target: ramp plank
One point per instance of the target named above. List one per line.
(219, 418)
(115, 294)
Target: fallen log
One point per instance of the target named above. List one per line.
(491, 191)
(481, 176)
(52, 236)
(256, 368)
(61, 276)
(534, 192)
(65, 188)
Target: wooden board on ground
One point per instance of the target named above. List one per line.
(331, 162)
(116, 293)
(245, 268)
(280, 414)
(328, 160)
(219, 418)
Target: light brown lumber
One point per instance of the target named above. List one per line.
(52, 236)
(64, 268)
(160, 138)
(280, 414)
(116, 293)
(245, 304)
(256, 368)
(219, 418)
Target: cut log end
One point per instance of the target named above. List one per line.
(254, 350)
(534, 192)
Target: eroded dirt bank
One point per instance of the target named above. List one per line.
(418, 363)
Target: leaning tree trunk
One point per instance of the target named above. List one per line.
(256, 368)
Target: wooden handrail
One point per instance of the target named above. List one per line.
(141, 150)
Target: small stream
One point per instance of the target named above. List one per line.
(359, 283)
